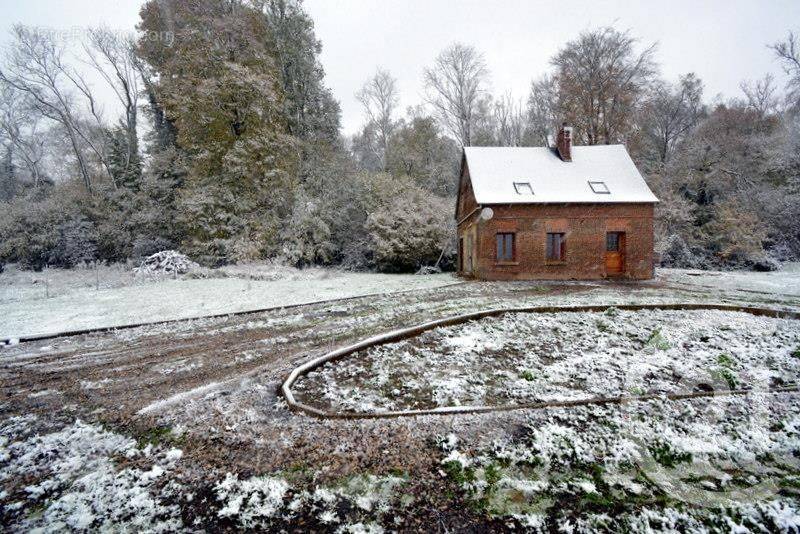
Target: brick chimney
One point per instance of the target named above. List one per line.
(564, 142)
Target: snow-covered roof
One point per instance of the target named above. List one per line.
(600, 173)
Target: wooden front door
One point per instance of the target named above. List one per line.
(615, 253)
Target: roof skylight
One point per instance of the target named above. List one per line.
(599, 187)
(523, 188)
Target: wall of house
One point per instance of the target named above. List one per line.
(466, 197)
(585, 227)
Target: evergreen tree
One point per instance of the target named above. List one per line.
(124, 163)
(220, 85)
(9, 187)
(311, 111)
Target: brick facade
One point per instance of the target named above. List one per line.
(584, 226)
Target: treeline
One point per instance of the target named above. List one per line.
(229, 148)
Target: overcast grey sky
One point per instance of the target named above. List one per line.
(723, 41)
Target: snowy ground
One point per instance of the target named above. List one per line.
(786, 281)
(91, 426)
(57, 300)
(727, 466)
(526, 357)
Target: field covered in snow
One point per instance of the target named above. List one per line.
(179, 426)
(532, 357)
(58, 300)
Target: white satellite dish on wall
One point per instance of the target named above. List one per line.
(487, 213)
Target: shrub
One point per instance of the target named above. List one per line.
(307, 240)
(30, 231)
(676, 254)
(411, 233)
(77, 243)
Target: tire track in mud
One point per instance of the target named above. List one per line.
(203, 352)
(116, 372)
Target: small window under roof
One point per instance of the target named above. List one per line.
(523, 188)
(599, 187)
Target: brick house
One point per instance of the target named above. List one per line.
(563, 213)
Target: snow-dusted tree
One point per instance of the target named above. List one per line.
(113, 58)
(21, 128)
(9, 185)
(77, 243)
(379, 97)
(455, 86)
(509, 121)
(307, 239)
(366, 149)
(35, 67)
(419, 151)
(601, 81)
(221, 85)
(736, 234)
(404, 236)
(677, 254)
(761, 95)
(543, 119)
(311, 111)
(123, 160)
(669, 114)
(788, 52)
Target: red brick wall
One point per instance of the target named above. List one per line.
(584, 226)
(466, 198)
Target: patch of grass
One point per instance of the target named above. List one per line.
(602, 326)
(493, 474)
(664, 454)
(725, 361)
(459, 474)
(725, 372)
(796, 353)
(398, 472)
(790, 482)
(37, 509)
(528, 375)
(657, 340)
(155, 436)
(729, 378)
(611, 312)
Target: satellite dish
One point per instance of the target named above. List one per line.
(487, 213)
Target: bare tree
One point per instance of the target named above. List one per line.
(543, 117)
(601, 82)
(113, 58)
(35, 67)
(379, 97)
(788, 52)
(455, 85)
(510, 121)
(670, 113)
(760, 95)
(21, 126)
